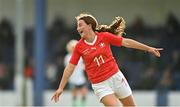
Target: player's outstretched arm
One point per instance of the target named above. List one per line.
(130, 43)
(67, 73)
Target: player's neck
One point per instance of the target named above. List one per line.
(90, 38)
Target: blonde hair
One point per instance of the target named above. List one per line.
(70, 45)
(116, 27)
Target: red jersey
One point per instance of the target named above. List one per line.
(97, 56)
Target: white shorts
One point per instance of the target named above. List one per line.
(117, 84)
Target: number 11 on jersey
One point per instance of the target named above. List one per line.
(99, 59)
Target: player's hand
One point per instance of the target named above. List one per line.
(155, 51)
(56, 95)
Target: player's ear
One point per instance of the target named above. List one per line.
(90, 26)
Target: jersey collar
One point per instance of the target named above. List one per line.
(92, 43)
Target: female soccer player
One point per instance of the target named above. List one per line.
(107, 81)
(77, 81)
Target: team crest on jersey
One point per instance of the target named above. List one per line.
(101, 44)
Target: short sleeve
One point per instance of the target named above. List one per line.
(113, 39)
(75, 56)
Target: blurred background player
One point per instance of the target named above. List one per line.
(77, 81)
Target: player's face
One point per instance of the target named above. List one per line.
(82, 28)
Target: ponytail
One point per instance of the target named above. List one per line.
(116, 27)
